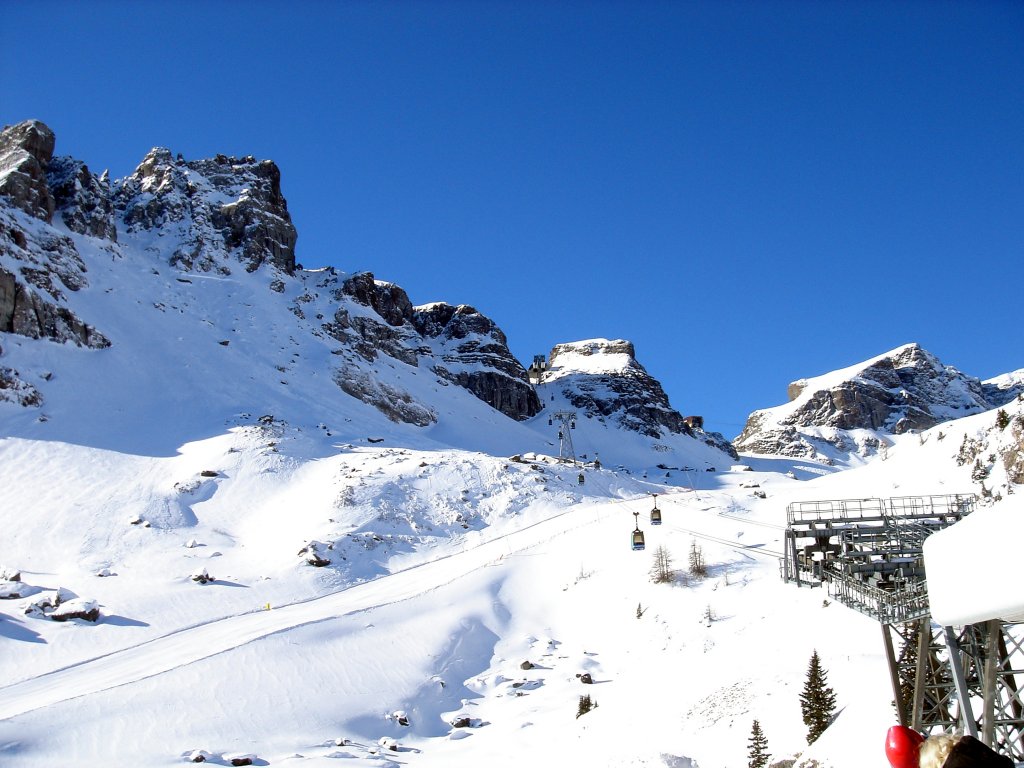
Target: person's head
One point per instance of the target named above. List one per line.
(935, 749)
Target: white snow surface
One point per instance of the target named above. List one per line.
(450, 564)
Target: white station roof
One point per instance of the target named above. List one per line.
(975, 570)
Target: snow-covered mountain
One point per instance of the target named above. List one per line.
(256, 513)
(196, 258)
(857, 411)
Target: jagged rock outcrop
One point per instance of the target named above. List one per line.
(25, 153)
(850, 411)
(602, 378)
(187, 198)
(83, 199)
(471, 351)
(458, 343)
(37, 263)
(383, 327)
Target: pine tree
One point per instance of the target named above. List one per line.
(817, 701)
(758, 753)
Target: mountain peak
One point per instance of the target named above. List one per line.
(853, 409)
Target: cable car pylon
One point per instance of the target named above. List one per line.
(566, 422)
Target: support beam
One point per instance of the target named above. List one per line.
(956, 664)
(894, 674)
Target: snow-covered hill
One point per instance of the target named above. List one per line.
(321, 526)
(853, 413)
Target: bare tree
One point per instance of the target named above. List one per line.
(661, 569)
(698, 567)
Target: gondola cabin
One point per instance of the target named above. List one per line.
(655, 513)
(638, 539)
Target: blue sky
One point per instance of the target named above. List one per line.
(751, 192)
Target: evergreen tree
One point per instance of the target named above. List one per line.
(817, 701)
(758, 753)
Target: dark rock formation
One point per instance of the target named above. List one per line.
(25, 152)
(1004, 389)
(84, 201)
(906, 390)
(603, 379)
(170, 193)
(24, 312)
(460, 345)
(474, 354)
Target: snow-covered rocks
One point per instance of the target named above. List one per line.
(201, 576)
(853, 410)
(315, 553)
(62, 605)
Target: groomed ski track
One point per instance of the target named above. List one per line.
(192, 644)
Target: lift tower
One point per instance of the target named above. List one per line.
(566, 423)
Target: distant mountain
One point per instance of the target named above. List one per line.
(602, 379)
(181, 283)
(852, 412)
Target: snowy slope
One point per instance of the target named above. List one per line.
(211, 442)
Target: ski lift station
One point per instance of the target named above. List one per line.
(961, 629)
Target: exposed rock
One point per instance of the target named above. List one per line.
(386, 299)
(397, 404)
(850, 411)
(76, 608)
(15, 390)
(604, 380)
(171, 194)
(473, 353)
(25, 152)
(386, 330)
(1004, 389)
(84, 201)
(26, 313)
(315, 553)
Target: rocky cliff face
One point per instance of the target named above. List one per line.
(458, 344)
(37, 263)
(209, 216)
(471, 351)
(851, 411)
(216, 208)
(602, 379)
(25, 153)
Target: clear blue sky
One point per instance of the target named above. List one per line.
(751, 192)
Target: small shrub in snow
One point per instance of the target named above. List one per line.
(585, 705)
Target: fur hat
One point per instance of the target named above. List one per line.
(942, 751)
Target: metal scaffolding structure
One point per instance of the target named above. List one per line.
(566, 423)
(869, 554)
